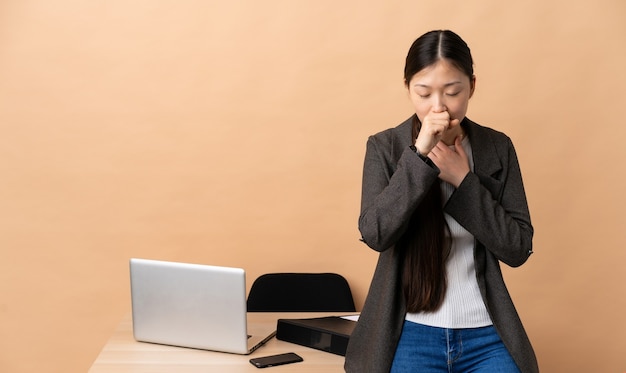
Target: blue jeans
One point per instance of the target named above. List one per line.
(429, 349)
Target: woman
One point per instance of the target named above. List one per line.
(443, 202)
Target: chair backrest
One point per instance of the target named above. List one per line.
(300, 292)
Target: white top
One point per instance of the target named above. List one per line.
(463, 306)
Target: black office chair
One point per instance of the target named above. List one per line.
(300, 292)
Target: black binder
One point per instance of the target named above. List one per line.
(330, 334)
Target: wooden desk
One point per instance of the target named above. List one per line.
(122, 354)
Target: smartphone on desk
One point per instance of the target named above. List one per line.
(270, 361)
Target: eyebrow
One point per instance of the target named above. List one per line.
(445, 85)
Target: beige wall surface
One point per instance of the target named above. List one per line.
(233, 133)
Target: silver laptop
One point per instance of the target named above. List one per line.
(192, 305)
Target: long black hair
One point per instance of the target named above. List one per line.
(425, 246)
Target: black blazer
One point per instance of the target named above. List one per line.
(490, 203)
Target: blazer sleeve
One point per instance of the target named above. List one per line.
(494, 209)
(393, 186)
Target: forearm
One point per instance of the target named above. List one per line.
(503, 227)
(388, 201)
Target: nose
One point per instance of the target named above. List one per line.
(439, 104)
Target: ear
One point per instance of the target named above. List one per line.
(472, 85)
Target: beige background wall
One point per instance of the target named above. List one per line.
(233, 132)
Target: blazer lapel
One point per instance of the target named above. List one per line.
(487, 164)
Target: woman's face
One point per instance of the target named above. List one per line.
(441, 87)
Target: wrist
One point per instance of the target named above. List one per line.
(419, 148)
(460, 180)
(419, 154)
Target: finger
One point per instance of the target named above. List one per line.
(458, 144)
(440, 118)
(458, 147)
(439, 149)
(457, 141)
(440, 125)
